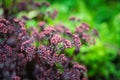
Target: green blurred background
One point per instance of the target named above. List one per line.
(102, 59)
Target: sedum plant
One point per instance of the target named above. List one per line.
(40, 53)
(20, 59)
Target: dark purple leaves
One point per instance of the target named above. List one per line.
(18, 51)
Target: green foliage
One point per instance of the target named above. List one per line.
(105, 17)
(7, 3)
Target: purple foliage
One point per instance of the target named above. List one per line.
(21, 60)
